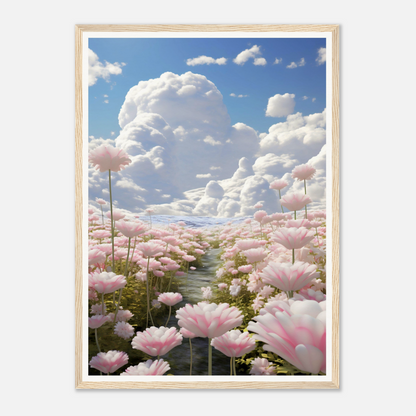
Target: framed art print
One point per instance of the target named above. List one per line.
(207, 206)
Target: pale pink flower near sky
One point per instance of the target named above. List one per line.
(106, 282)
(131, 229)
(278, 184)
(117, 215)
(303, 172)
(124, 330)
(108, 362)
(258, 205)
(157, 341)
(289, 277)
(97, 320)
(259, 215)
(169, 298)
(234, 343)
(149, 368)
(107, 157)
(293, 238)
(209, 320)
(295, 201)
(247, 244)
(100, 201)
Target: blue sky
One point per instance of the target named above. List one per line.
(149, 58)
(197, 148)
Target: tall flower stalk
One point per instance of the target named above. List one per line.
(112, 220)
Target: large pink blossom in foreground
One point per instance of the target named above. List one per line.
(131, 229)
(293, 238)
(303, 172)
(169, 298)
(295, 201)
(107, 157)
(149, 368)
(157, 341)
(108, 362)
(106, 282)
(209, 320)
(298, 335)
(287, 276)
(234, 343)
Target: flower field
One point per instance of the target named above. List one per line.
(261, 311)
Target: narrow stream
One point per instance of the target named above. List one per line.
(179, 357)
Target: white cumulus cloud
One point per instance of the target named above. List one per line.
(280, 105)
(321, 59)
(247, 54)
(97, 69)
(260, 61)
(205, 60)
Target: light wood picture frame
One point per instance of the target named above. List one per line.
(82, 381)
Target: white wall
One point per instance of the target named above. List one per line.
(377, 222)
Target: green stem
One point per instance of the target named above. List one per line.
(103, 306)
(190, 349)
(306, 210)
(148, 296)
(170, 280)
(231, 366)
(289, 294)
(111, 209)
(295, 214)
(209, 357)
(281, 206)
(96, 340)
(125, 274)
(235, 372)
(293, 256)
(170, 310)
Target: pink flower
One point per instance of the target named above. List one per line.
(96, 256)
(151, 249)
(186, 333)
(293, 238)
(295, 202)
(289, 277)
(298, 335)
(124, 330)
(262, 367)
(100, 201)
(278, 184)
(117, 215)
(222, 286)
(97, 320)
(189, 258)
(149, 368)
(258, 205)
(257, 303)
(246, 269)
(259, 215)
(255, 255)
(131, 229)
(107, 157)
(234, 343)
(247, 244)
(122, 315)
(206, 292)
(209, 320)
(106, 282)
(157, 341)
(303, 172)
(108, 362)
(298, 223)
(169, 298)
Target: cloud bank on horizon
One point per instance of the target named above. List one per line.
(189, 159)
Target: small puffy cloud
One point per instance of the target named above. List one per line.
(97, 69)
(215, 168)
(277, 61)
(232, 95)
(211, 141)
(205, 60)
(106, 101)
(203, 175)
(313, 99)
(260, 61)
(302, 62)
(305, 97)
(321, 59)
(238, 96)
(292, 65)
(247, 54)
(280, 105)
